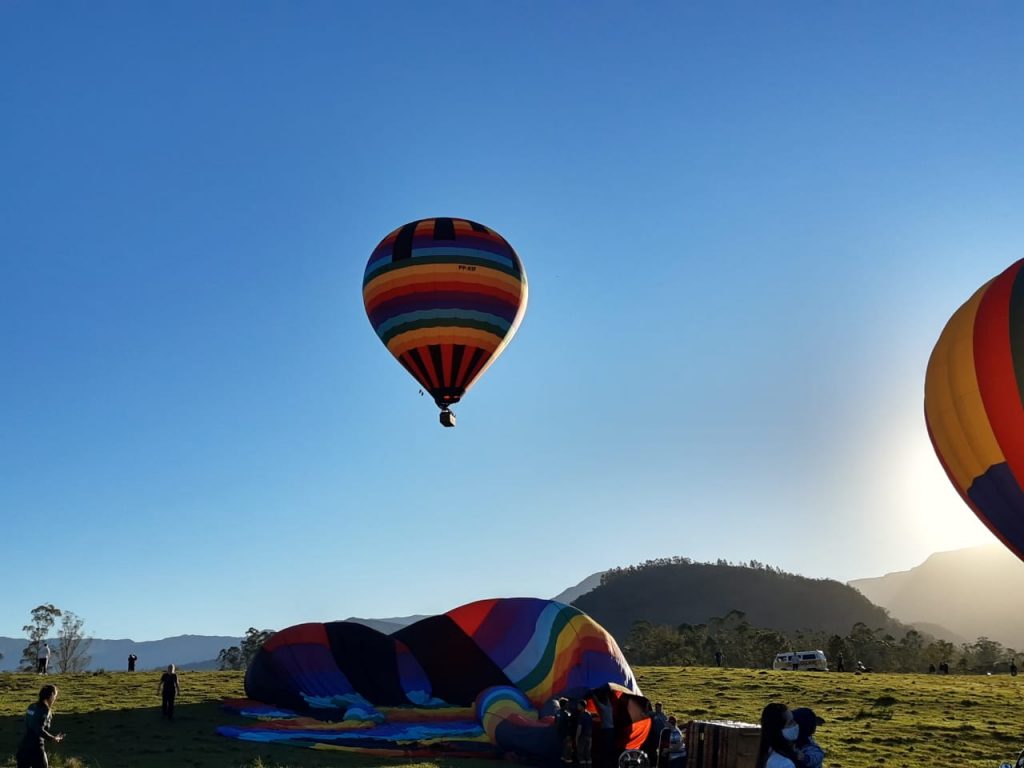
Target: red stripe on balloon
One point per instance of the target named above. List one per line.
(446, 363)
(417, 373)
(997, 379)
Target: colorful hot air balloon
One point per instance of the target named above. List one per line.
(445, 296)
(476, 680)
(974, 404)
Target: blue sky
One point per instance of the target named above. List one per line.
(744, 227)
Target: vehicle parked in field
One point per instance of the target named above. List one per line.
(813, 661)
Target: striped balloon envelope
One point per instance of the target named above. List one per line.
(974, 404)
(445, 296)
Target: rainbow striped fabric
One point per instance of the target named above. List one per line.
(472, 680)
(445, 296)
(974, 404)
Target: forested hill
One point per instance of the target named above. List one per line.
(678, 591)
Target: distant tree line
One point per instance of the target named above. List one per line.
(241, 655)
(660, 562)
(744, 645)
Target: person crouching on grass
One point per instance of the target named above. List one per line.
(32, 752)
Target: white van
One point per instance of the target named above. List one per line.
(807, 660)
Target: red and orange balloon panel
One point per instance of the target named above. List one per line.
(445, 296)
(974, 404)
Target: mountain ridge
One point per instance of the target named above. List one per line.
(186, 651)
(970, 591)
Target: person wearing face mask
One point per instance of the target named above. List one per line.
(811, 754)
(778, 732)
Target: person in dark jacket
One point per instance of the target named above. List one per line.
(32, 751)
(169, 685)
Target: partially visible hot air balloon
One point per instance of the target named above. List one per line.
(445, 296)
(974, 404)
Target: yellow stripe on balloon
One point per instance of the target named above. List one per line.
(578, 626)
(952, 400)
(421, 337)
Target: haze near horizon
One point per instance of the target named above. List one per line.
(744, 229)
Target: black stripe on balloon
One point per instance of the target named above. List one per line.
(404, 360)
(444, 229)
(457, 668)
(423, 377)
(403, 243)
(1017, 330)
(369, 659)
(478, 227)
(473, 362)
(435, 358)
(457, 353)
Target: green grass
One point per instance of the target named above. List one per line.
(900, 721)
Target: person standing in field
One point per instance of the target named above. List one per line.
(32, 751)
(563, 719)
(132, 658)
(168, 689)
(659, 720)
(606, 714)
(43, 658)
(778, 732)
(584, 731)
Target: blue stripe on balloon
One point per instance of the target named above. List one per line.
(419, 253)
(532, 653)
(386, 259)
(1001, 501)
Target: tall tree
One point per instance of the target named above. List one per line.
(43, 619)
(73, 645)
(229, 658)
(252, 642)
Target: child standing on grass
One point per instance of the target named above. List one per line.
(32, 752)
(811, 754)
(169, 685)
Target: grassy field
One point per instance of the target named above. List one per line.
(900, 721)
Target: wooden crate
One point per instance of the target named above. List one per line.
(721, 744)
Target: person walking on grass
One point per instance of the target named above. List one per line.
(168, 689)
(32, 751)
(43, 658)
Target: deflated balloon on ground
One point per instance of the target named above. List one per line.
(478, 680)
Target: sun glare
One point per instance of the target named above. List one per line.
(932, 508)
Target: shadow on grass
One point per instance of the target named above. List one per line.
(140, 738)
